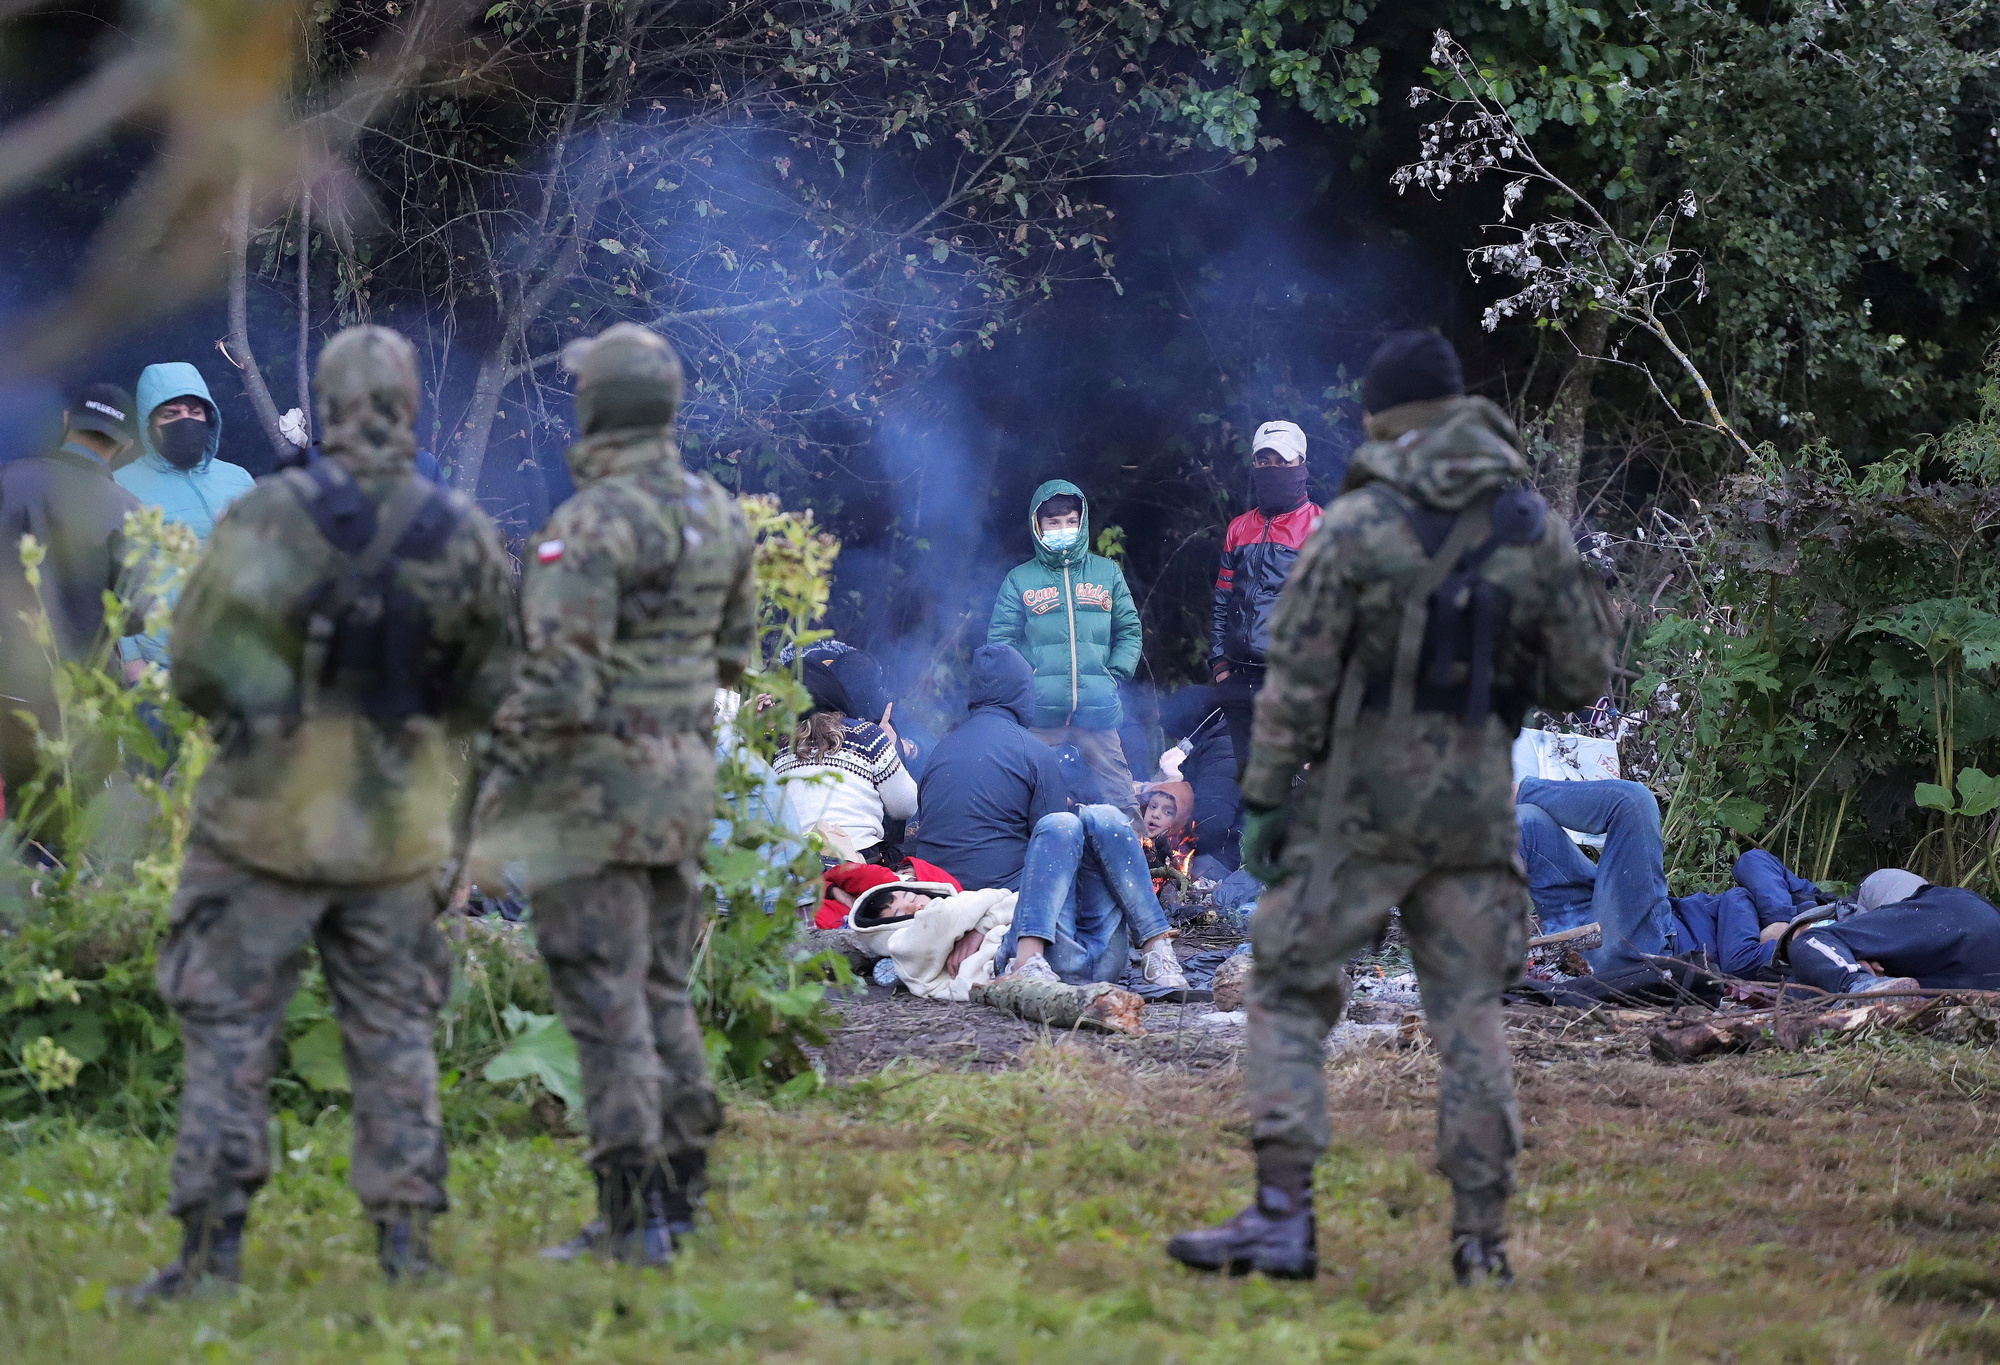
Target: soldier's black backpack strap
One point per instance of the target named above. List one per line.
(1453, 616)
(362, 633)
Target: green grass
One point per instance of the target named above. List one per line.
(1735, 1212)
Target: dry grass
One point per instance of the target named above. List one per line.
(1831, 1207)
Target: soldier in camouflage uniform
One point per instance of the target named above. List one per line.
(344, 626)
(637, 601)
(1381, 683)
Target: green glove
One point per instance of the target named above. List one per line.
(1264, 834)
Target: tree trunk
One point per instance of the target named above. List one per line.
(468, 447)
(305, 309)
(239, 320)
(1562, 472)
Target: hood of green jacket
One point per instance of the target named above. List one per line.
(629, 451)
(1075, 554)
(162, 384)
(1442, 452)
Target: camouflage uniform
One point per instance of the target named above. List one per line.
(327, 810)
(637, 601)
(1404, 806)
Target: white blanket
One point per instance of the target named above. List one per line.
(920, 945)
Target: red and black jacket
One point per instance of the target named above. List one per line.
(1257, 554)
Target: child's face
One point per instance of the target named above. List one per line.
(1061, 521)
(1160, 811)
(903, 904)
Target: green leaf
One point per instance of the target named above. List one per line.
(317, 1057)
(544, 1050)
(1933, 797)
(1741, 814)
(1977, 792)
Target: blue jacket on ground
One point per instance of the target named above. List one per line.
(189, 497)
(989, 781)
(1725, 924)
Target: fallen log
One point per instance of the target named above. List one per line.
(1100, 1006)
(1788, 1030)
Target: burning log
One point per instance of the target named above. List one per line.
(1100, 1006)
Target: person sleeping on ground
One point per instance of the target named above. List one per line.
(1905, 934)
(993, 809)
(942, 940)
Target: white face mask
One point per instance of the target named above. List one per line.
(1062, 539)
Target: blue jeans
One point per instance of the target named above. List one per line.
(1625, 890)
(1085, 891)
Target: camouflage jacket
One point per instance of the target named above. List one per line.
(1430, 787)
(336, 796)
(636, 601)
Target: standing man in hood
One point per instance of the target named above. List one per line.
(1069, 612)
(347, 627)
(1433, 606)
(637, 603)
(174, 465)
(67, 501)
(1258, 550)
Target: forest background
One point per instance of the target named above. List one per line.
(1729, 267)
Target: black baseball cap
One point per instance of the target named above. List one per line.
(105, 409)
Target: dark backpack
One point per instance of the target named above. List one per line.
(368, 642)
(1465, 613)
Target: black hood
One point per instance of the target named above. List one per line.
(1002, 678)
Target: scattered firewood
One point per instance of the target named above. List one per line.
(1791, 1029)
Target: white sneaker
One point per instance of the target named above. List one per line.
(1032, 969)
(1898, 984)
(1160, 967)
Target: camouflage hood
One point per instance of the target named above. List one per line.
(368, 402)
(1443, 452)
(632, 451)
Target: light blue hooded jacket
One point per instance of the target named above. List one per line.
(191, 497)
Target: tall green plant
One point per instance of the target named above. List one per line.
(1826, 672)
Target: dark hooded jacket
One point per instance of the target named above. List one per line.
(989, 780)
(1071, 615)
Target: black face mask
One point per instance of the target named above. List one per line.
(1278, 488)
(182, 443)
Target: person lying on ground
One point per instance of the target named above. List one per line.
(1070, 613)
(1907, 934)
(992, 808)
(943, 941)
(848, 882)
(841, 770)
(1625, 890)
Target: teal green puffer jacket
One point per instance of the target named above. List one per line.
(1070, 613)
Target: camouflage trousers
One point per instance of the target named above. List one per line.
(1467, 929)
(617, 944)
(230, 965)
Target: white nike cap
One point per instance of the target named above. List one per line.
(1283, 437)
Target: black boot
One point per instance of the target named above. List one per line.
(1480, 1259)
(1276, 1234)
(681, 1198)
(211, 1259)
(403, 1244)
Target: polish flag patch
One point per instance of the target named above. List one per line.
(549, 551)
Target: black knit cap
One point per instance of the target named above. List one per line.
(1408, 368)
(106, 409)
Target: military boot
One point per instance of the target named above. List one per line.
(211, 1259)
(1276, 1234)
(635, 1216)
(1480, 1259)
(403, 1244)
